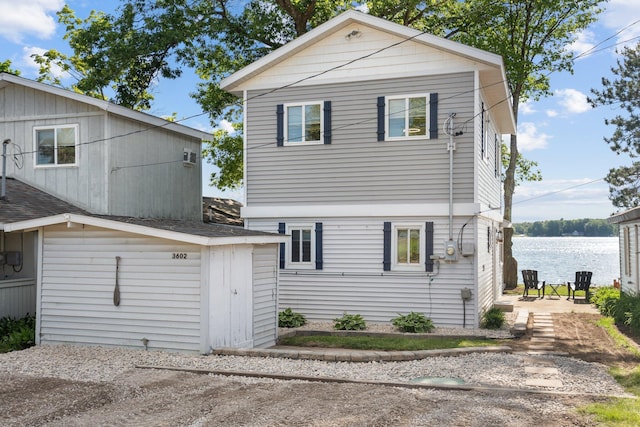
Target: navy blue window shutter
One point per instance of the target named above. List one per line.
(280, 125)
(381, 118)
(319, 262)
(433, 116)
(327, 122)
(386, 263)
(428, 246)
(282, 230)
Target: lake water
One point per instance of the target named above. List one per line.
(558, 258)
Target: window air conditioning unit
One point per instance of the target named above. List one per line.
(189, 157)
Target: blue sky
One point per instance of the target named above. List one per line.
(562, 133)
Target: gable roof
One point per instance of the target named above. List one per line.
(629, 215)
(492, 72)
(26, 207)
(7, 79)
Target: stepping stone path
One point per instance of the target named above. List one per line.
(540, 370)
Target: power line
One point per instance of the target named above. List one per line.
(322, 73)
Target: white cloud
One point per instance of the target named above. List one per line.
(551, 113)
(530, 138)
(526, 108)
(584, 43)
(620, 14)
(226, 125)
(574, 101)
(35, 18)
(568, 199)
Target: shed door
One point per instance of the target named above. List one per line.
(231, 297)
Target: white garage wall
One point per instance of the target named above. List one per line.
(159, 290)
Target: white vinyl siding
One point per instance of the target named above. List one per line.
(17, 298)
(488, 182)
(265, 295)
(353, 279)
(356, 168)
(159, 295)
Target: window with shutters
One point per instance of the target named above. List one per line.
(303, 123)
(408, 246)
(304, 249)
(407, 117)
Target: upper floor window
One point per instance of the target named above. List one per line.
(407, 116)
(56, 145)
(303, 123)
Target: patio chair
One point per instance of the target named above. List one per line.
(531, 281)
(582, 283)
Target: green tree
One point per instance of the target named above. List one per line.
(119, 57)
(5, 67)
(622, 92)
(531, 36)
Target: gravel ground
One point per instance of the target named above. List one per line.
(98, 364)
(79, 386)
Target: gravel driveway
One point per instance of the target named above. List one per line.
(78, 386)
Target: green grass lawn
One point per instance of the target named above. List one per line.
(619, 411)
(386, 343)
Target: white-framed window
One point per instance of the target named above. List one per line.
(408, 246)
(56, 145)
(303, 123)
(498, 155)
(302, 248)
(407, 117)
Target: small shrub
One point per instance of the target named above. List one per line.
(413, 322)
(349, 322)
(493, 318)
(606, 299)
(290, 319)
(17, 334)
(627, 312)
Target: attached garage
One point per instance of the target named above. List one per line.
(155, 284)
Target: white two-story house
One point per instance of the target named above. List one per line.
(376, 149)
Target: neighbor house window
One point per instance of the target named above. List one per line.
(408, 246)
(498, 150)
(56, 145)
(301, 245)
(303, 123)
(407, 116)
(627, 251)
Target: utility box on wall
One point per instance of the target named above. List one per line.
(11, 258)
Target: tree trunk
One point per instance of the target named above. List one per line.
(510, 265)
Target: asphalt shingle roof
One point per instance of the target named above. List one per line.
(24, 202)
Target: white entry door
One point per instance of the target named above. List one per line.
(231, 297)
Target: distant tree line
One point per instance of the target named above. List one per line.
(567, 227)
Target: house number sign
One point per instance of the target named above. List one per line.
(179, 255)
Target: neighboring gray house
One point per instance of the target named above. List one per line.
(101, 231)
(629, 239)
(377, 149)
